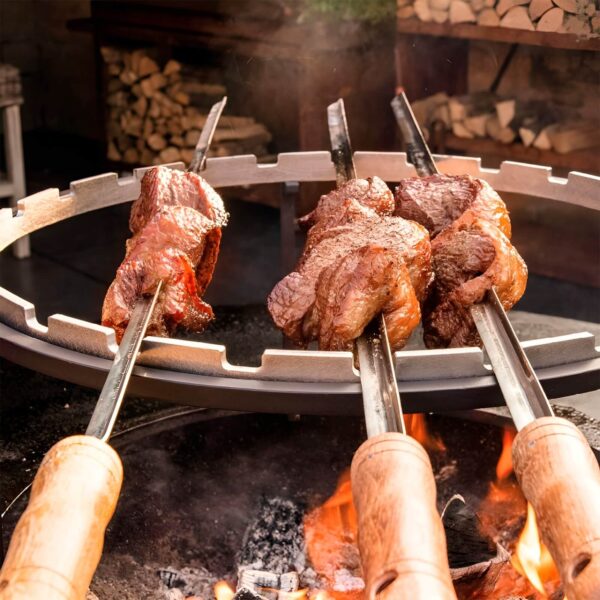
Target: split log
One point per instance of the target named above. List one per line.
(504, 6)
(170, 154)
(140, 106)
(441, 114)
(505, 135)
(156, 142)
(423, 109)
(517, 18)
(422, 10)
(569, 6)
(171, 67)
(505, 111)
(488, 17)
(131, 156)
(439, 16)
(113, 153)
(542, 141)
(147, 66)
(439, 4)
(567, 137)
(459, 130)
(476, 124)
(538, 7)
(461, 12)
(551, 20)
(531, 128)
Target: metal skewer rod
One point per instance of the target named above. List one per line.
(554, 464)
(522, 391)
(381, 399)
(57, 543)
(206, 136)
(401, 538)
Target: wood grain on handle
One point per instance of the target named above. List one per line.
(559, 476)
(57, 543)
(400, 533)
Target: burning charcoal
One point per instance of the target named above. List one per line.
(466, 544)
(187, 581)
(274, 540)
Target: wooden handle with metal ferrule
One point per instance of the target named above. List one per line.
(400, 533)
(559, 476)
(57, 543)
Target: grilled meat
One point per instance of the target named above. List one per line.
(176, 223)
(358, 261)
(471, 250)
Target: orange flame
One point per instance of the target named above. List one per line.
(330, 531)
(505, 467)
(416, 427)
(532, 559)
(223, 591)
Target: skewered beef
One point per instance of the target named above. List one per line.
(176, 222)
(358, 261)
(471, 249)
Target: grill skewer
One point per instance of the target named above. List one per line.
(555, 467)
(57, 543)
(400, 533)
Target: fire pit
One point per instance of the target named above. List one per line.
(207, 492)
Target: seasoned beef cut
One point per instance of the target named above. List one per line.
(471, 252)
(162, 186)
(438, 200)
(168, 248)
(358, 261)
(176, 222)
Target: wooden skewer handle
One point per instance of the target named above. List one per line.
(400, 533)
(559, 476)
(57, 543)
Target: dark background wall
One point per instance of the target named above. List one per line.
(57, 65)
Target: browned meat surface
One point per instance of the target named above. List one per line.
(176, 242)
(471, 250)
(358, 261)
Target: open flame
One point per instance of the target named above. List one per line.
(330, 531)
(505, 467)
(416, 427)
(531, 558)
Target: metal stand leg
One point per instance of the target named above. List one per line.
(15, 167)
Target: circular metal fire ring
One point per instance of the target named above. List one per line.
(288, 381)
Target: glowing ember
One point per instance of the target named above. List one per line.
(532, 559)
(223, 591)
(416, 427)
(505, 467)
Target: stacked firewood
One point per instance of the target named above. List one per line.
(156, 112)
(506, 120)
(578, 17)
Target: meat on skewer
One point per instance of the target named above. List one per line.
(358, 261)
(470, 230)
(176, 224)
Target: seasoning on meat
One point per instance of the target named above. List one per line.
(358, 261)
(176, 222)
(471, 249)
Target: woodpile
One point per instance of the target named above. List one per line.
(578, 17)
(506, 120)
(155, 112)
